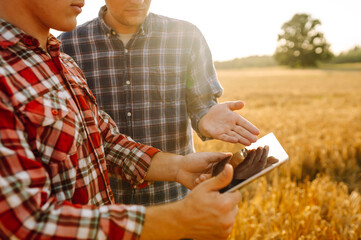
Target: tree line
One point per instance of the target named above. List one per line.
(300, 44)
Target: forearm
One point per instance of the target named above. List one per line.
(164, 167)
(163, 222)
(197, 110)
(125, 158)
(49, 217)
(203, 214)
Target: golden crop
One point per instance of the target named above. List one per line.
(316, 115)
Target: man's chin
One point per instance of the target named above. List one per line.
(65, 27)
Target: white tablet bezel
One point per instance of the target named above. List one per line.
(275, 149)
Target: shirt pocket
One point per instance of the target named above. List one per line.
(168, 85)
(51, 126)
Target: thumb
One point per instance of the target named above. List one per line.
(221, 180)
(235, 105)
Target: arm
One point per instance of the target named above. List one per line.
(29, 208)
(183, 169)
(126, 158)
(203, 214)
(136, 162)
(202, 85)
(209, 119)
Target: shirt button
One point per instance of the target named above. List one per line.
(114, 33)
(126, 51)
(129, 114)
(127, 82)
(108, 35)
(29, 42)
(54, 112)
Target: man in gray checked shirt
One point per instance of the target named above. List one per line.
(155, 76)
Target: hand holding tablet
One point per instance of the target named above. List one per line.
(253, 161)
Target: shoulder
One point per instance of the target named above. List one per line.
(72, 67)
(69, 62)
(81, 31)
(168, 24)
(78, 40)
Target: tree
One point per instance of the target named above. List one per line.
(353, 55)
(300, 44)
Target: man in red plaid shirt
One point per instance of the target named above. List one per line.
(56, 147)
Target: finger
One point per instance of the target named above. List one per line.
(235, 105)
(240, 138)
(259, 153)
(227, 138)
(241, 121)
(272, 160)
(244, 136)
(237, 158)
(218, 168)
(235, 210)
(240, 172)
(264, 155)
(232, 214)
(250, 157)
(202, 178)
(237, 136)
(265, 152)
(263, 160)
(216, 157)
(233, 197)
(221, 180)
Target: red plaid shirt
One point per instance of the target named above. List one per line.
(55, 144)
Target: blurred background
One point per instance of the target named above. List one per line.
(297, 65)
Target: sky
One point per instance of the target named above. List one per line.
(241, 28)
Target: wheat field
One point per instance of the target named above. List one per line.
(316, 115)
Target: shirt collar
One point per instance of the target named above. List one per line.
(53, 46)
(142, 31)
(11, 35)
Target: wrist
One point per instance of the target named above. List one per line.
(164, 167)
(181, 215)
(167, 225)
(178, 164)
(202, 128)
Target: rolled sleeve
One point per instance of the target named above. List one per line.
(203, 87)
(125, 158)
(128, 227)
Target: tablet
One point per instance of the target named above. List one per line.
(275, 149)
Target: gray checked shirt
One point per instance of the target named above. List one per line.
(156, 88)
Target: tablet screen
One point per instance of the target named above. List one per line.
(275, 150)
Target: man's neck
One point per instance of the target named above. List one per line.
(23, 20)
(119, 28)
